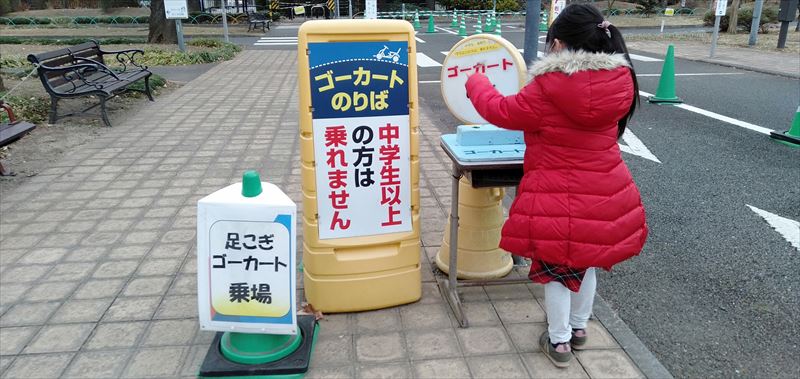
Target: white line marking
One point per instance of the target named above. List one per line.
(789, 229)
(644, 58)
(278, 39)
(429, 81)
(718, 116)
(418, 39)
(635, 146)
(522, 51)
(696, 74)
(446, 30)
(426, 61)
(275, 44)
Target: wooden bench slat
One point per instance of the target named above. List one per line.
(14, 131)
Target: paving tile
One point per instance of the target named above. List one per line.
(42, 256)
(87, 254)
(51, 291)
(507, 366)
(184, 306)
(194, 360)
(171, 333)
(81, 311)
(5, 361)
(455, 368)
(472, 294)
(332, 350)
(599, 338)
(115, 269)
(28, 314)
(13, 292)
(59, 338)
(129, 252)
(114, 225)
(132, 308)
(70, 272)
(144, 237)
(101, 239)
(155, 363)
(340, 372)
(518, 311)
(39, 366)
(144, 286)
(508, 292)
(99, 288)
(336, 324)
(384, 371)
(425, 316)
(428, 344)
(526, 336)
(21, 241)
(14, 339)
(171, 250)
(115, 335)
(152, 267)
(480, 314)
(380, 347)
(540, 367)
(184, 285)
(612, 363)
(24, 274)
(379, 321)
(484, 340)
(430, 294)
(98, 364)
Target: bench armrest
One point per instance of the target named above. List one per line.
(77, 73)
(100, 67)
(126, 58)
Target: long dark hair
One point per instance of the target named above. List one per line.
(577, 28)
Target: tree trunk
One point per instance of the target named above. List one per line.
(161, 29)
(734, 19)
(194, 5)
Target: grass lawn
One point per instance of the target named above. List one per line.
(766, 42)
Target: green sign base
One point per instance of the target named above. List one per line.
(241, 355)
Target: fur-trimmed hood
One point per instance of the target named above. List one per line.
(570, 62)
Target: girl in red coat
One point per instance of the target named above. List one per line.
(577, 207)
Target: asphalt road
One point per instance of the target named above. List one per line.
(716, 292)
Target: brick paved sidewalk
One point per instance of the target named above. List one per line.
(97, 260)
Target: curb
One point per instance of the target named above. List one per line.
(633, 346)
(743, 67)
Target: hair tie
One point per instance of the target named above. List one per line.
(604, 25)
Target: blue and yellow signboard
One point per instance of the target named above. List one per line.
(360, 163)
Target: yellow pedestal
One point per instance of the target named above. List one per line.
(481, 218)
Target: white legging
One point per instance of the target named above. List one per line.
(567, 310)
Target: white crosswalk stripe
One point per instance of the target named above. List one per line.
(276, 41)
(425, 61)
(643, 58)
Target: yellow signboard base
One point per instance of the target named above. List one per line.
(481, 218)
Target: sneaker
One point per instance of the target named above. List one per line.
(578, 340)
(560, 359)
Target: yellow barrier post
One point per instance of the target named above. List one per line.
(359, 143)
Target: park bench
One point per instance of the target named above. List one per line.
(254, 20)
(81, 70)
(11, 131)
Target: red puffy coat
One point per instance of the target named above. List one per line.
(577, 204)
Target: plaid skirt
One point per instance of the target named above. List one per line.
(543, 273)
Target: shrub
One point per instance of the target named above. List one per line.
(30, 108)
(745, 19)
